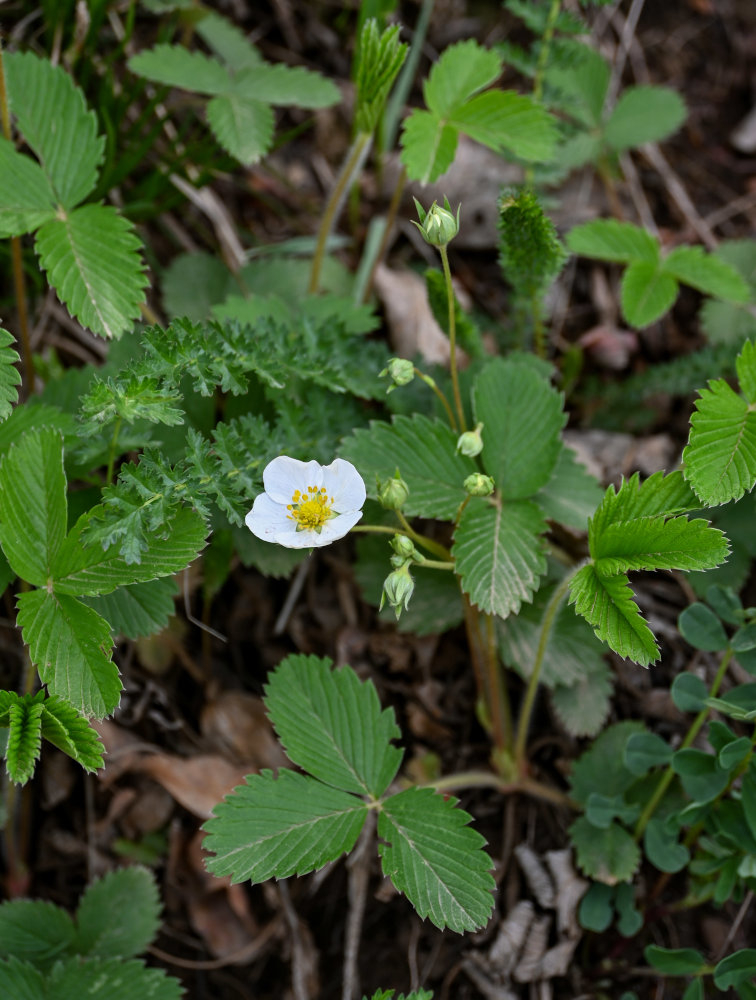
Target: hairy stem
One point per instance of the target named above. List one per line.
(386, 529)
(452, 338)
(112, 451)
(444, 401)
(488, 678)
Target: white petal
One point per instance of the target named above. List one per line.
(284, 475)
(267, 519)
(337, 527)
(344, 483)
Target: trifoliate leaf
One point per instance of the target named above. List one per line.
(435, 859)
(280, 826)
(70, 645)
(175, 66)
(606, 602)
(571, 494)
(727, 322)
(102, 931)
(459, 73)
(644, 114)
(610, 855)
(91, 257)
(519, 454)
(504, 120)
(110, 979)
(498, 553)
(607, 239)
(53, 118)
(428, 148)
(34, 931)
(581, 86)
(647, 292)
(331, 724)
(140, 609)
(33, 506)
(24, 739)
(288, 86)
(707, 273)
(26, 197)
(10, 377)
(242, 125)
(227, 41)
(70, 732)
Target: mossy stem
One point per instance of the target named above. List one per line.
(352, 164)
(452, 338)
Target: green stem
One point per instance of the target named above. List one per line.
(435, 564)
(547, 623)
(386, 529)
(112, 451)
(543, 61)
(539, 339)
(444, 401)
(489, 779)
(423, 540)
(354, 160)
(669, 774)
(452, 338)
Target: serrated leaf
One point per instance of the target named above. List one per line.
(102, 931)
(242, 125)
(720, 457)
(582, 86)
(655, 543)
(606, 603)
(435, 859)
(34, 931)
(583, 707)
(700, 627)
(227, 41)
(428, 146)
(425, 453)
(706, 273)
(571, 494)
(21, 981)
(460, 71)
(26, 198)
(607, 239)
(110, 979)
(138, 610)
(745, 367)
(288, 86)
(504, 120)
(661, 493)
(66, 729)
(498, 553)
(644, 114)
(601, 768)
(24, 739)
(646, 293)
(33, 506)
(70, 645)
(53, 118)
(331, 724)
(175, 66)
(288, 825)
(10, 377)
(519, 454)
(609, 855)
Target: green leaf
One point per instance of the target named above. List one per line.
(88, 569)
(720, 457)
(435, 859)
(70, 645)
(428, 148)
(52, 116)
(653, 543)
(596, 907)
(34, 931)
(10, 377)
(288, 825)
(92, 260)
(425, 453)
(706, 273)
(460, 72)
(663, 849)
(606, 603)
(735, 969)
(331, 724)
(227, 41)
(645, 751)
(26, 198)
(695, 990)
(24, 739)
(504, 120)
(630, 919)
(102, 931)
(702, 777)
(33, 506)
(140, 609)
(110, 979)
(609, 855)
(734, 753)
(21, 981)
(498, 553)
(380, 55)
(700, 627)
(688, 693)
(647, 292)
(601, 810)
(572, 493)
(288, 86)
(584, 706)
(66, 729)
(745, 366)
(175, 66)
(607, 239)
(601, 768)
(582, 85)
(242, 125)
(644, 114)
(519, 454)
(674, 961)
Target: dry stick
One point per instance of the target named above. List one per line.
(679, 195)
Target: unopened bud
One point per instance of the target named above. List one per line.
(400, 371)
(397, 589)
(403, 547)
(438, 225)
(470, 443)
(393, 493)
(478, 485)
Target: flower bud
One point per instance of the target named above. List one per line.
(478, 485)
(400, 371)
(393, 493)
(438, 225)
(470, 443)
(397, 589)
(403, 547)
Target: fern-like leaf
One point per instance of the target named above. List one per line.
(10, 377)
(606, 603)
(24, 739)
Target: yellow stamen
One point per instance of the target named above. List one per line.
(311, 509)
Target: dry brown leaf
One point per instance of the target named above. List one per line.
(235, 723)
(412, 327)
(197, 783)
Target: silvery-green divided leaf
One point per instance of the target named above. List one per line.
(34, 931)
(139, 609)
(331, 724)
(280, 826)
(70, 644)
(606, 603)
(520, 454)
(52, 116)
(644, 114)
(609, 855)
(227, 41)
(91, 256)
(380, 56)
(10, 377)
(425, 453)
(26, 197)
(119, 915)
(33, 504)
(499, 554)
(435, 859)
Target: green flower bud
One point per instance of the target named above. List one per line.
(403, 547)
(397, 589)
(400, 371)
(438, 225)
(470, 443)
(393, 493)
(478, 485)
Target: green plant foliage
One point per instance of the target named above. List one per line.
(90, 252)
(332, 725)
(501, 120)
(720, 457)
(380, 56)
(140, 609)
(700, 627)
(583, 707)
(10, 378)
(609, 855)
(733, 322)
(241, 86)
(674, 961)
(607, 604)
(101, 930)
(572, 493)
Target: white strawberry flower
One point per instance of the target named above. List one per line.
(306, 504)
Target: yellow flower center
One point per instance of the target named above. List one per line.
(310, 509)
